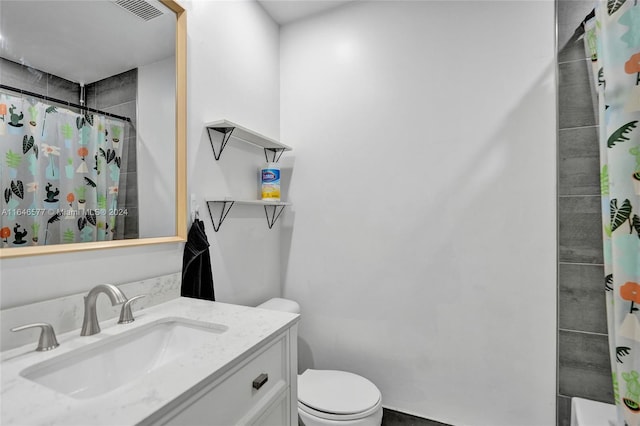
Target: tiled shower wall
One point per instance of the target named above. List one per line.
(583, 357)
(27, 78)
(116, 94)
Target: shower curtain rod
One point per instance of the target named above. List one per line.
(59, 101)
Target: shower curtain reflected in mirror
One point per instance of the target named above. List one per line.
(613, 43)
(60, 173)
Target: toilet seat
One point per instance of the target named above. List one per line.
(338, 417)
(337, 395)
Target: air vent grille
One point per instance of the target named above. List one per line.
(140, 8)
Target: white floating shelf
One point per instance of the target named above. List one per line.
(272, 214)
(221, 131)
(253, 202)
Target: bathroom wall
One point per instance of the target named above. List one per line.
(156, 98)
(118, 94)
(420, 243)
(583, 356)
(22, 76)
(233, 73)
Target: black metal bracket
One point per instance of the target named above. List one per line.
(276, 153)
(272, 212)
(221, 136)
(276, 209)
(223, 213)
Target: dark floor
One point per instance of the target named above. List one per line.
(396, 418)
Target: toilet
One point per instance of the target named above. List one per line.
(332, 397)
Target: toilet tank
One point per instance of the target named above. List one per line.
(279, 304)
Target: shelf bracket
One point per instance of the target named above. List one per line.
(226, 207)
(219, 136)
(276, 153)
(276, 211)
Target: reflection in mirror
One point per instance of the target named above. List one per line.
(87, 121)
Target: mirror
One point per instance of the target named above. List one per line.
(93, 116)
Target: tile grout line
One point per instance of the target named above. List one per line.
(581, 263)
(580, 127)
(118, 105)
(574, 60)
(579, 195)
(590, 333)
(567, 396)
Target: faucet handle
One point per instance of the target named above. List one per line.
(126, 316)
(47, 340)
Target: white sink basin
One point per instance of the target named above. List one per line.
(106, 365)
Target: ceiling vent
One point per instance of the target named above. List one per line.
(140, 8)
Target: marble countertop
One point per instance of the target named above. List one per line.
(24, 402)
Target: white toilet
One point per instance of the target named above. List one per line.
(331, 397)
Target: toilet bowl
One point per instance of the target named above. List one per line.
(332, 397)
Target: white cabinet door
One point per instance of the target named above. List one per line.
(277, 414)
(241, 396)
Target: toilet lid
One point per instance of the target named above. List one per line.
(336, 392)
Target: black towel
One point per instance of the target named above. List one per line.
(197, 279)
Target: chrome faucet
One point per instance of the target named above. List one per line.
(90, 324)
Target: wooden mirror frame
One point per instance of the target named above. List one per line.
(180, 163)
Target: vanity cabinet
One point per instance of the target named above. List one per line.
(260, 389)
(186, 362)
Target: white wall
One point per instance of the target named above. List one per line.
(156, 131)
(422, 240)
(232, 73)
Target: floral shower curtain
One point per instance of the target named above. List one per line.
(59, 174)
(613, 42)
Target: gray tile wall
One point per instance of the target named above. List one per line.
(583, 356)
(118, 95)
(27, 78)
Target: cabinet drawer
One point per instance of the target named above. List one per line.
(241, 395)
